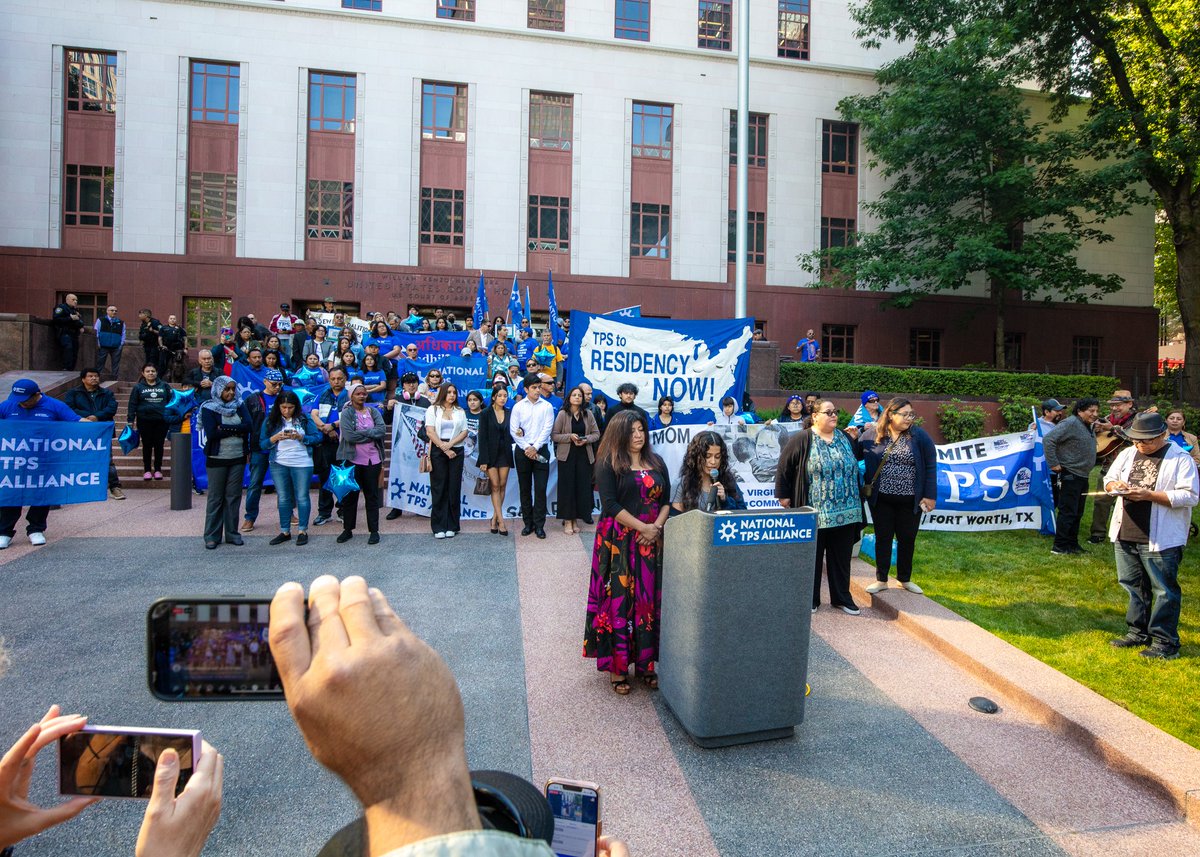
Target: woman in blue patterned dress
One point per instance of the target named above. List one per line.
(819, 468)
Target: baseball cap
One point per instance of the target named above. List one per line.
(285, 306)
(327, 300)
(24, 390)
(274, 375)
(1053, 405)
(410, 378)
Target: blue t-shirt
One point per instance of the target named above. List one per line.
(524, 349)
(808, 350)
(372, 378)
(46, 409)
(385, 343)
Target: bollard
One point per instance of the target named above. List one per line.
(181, 472)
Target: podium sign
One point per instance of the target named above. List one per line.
(736, 615)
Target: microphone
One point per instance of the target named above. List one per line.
(712, 491)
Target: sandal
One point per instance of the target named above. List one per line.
(503, 529)
(650, 680)
(621, 686)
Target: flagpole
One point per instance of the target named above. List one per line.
(743, 144)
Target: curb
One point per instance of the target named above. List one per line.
(1121, 739)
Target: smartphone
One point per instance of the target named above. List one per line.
(211, 649)
(119, 761)
(575, 806)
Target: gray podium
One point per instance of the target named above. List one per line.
(736, 615)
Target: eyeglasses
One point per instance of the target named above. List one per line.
(905, 415)
(828, 413)
(432, 377)
(873, 399)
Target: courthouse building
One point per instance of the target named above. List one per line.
(209, 158)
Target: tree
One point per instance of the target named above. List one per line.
(976, 186)
(1166, 278)
(1137, 63)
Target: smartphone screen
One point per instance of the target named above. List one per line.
(211, 649)
(119, 761)
(576, 810)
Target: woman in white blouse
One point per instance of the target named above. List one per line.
(446, 425)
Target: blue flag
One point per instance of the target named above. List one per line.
(248, 381)
(525, 315)
(627, 312)
(555, 321)
(514, 300)
(1040, 483)
(481, 308)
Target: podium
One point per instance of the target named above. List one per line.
(736, 616)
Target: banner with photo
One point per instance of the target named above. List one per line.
(53, 463)
(697, 363)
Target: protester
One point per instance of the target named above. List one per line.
(794, 412)
(868, 411)
(728, 415)
(547, 353)
(201, 376)
(433, 381)
(26, 402)
(1185, 440)
(67, 323)
(227, 425)
(819, 468)
(147, 413)
(325, 414)
(273, 344)
(1158, 486)
(244, 343)
(225, 354)
(501, 359)
(375, 380)
(319, 345)
(446, 427)
(1070, 451)
(495, 453)
(93, 403)
(284, 325)
(474, 411)
(110, 341)
(381, 335)
(573, 433)
(289, 435)
(310, 374)
(665, 415)
(172, 826)
(362, 433)
(809, 348)
(901, 468)
(1052, 414)
(627, 401)
(1121, 414)
(706, 481)
(530, 426)
(625, 594)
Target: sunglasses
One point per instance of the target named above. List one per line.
(873, 399)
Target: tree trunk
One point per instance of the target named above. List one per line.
(998, 288)
(1183, 212)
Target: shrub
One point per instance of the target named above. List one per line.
(1017, 412)
(959, 421)
(765, 414)
(854, 378)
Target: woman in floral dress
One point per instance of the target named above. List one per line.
(625, 595)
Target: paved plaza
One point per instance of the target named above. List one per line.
(889, 761)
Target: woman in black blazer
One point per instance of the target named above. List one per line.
(495, 456)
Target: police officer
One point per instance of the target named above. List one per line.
(149, 334)
(67, 324)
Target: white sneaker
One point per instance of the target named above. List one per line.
(439, 535)
(5, 541)
(912, 587)
(37, 539)
(877, 586)
(450, 534)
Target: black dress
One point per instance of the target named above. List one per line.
(494, 442)
(575, 478)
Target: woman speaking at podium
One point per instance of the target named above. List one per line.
(625, 594)
(819, 468)
(706, 482)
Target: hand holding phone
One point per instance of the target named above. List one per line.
(120, 761)
(575, 805)
(178, 826)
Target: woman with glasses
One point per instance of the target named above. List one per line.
(868, 411)
(819, 468)
(501, 359)
(794, 412)
(901, 464)
(319, 345)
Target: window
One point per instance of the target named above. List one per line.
(652, 130)
(89, 196)
(212, 202)
(330, 209)
(793, 29)
(756, 237)
(924, 347)
(1085, 354)
(839, 148)
(331, 102)
(650, 230)
(91, 82)
(549, 223)
(365, 5)
(713, 25)
(460, 10)
(203, 319)
(444, 112)
(91, 305)
(215, 92)
(550, 121)
(836, 232)
(837, 342)
(632, 20)
(441, 216)
(757, 154)
(1014, 350)
(546, 15)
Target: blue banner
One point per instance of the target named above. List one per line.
(777, 528)
(992, 483)
(432, 346)
(697, 363)
(248, 380)
(514, 302)
(465, 373)
(556, 328)
(53, 463)
(627, 312)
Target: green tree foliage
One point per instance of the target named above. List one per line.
(1138, 65)
(960, 422)
(977, 188)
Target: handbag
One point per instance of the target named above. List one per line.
(867, 490)
(423, 465)
(483, 486)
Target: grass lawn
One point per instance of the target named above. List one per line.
(1064, 610)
